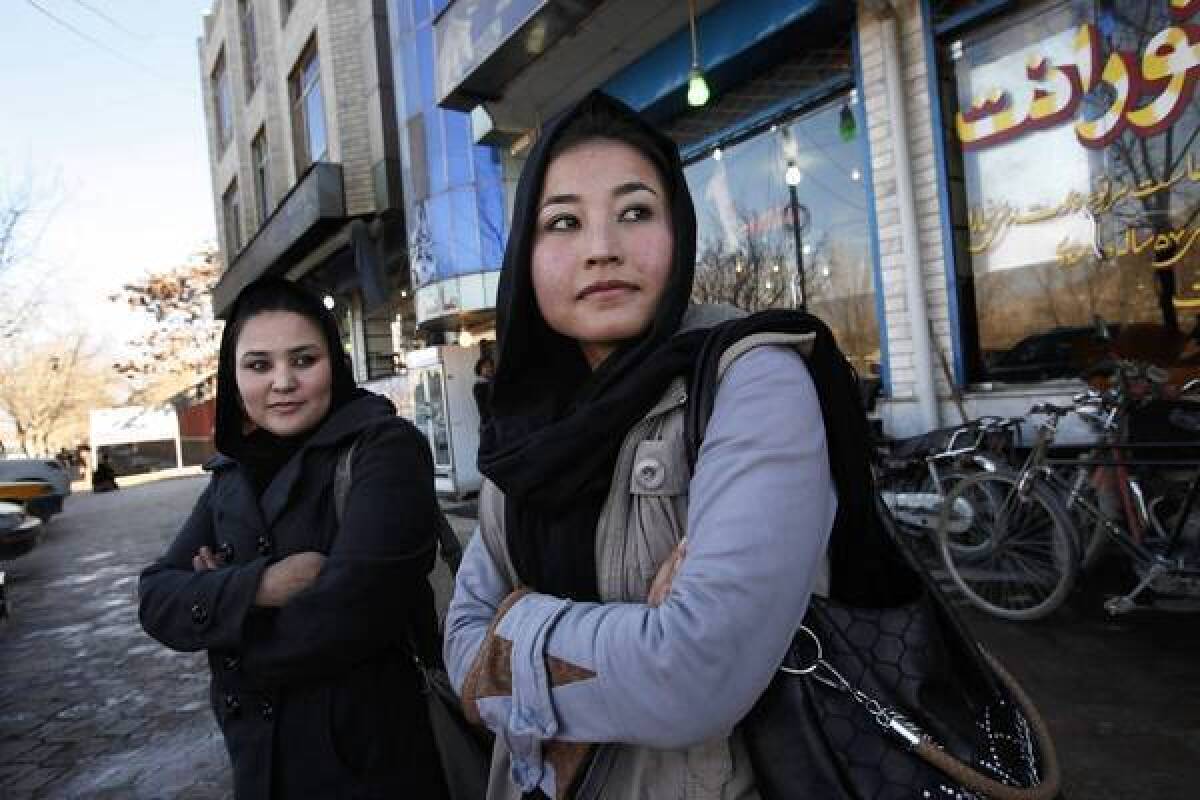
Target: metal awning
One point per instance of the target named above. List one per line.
(314, 208)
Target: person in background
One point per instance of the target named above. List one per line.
(104, 477)
(611, 659)
(485, 369)
(309, 613)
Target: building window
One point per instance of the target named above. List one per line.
(1071, 130)
(232, 212)
(249, 46)
(308, 109)
(782, 220)
(222, 102)
(262, 183)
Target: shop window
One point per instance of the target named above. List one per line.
(1074, 175)
(308, 109)
(250, 66)
(231, 211)
(751, 253)
(222, 102)
(262, 182)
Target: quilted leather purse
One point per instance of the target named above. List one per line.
(886, 703)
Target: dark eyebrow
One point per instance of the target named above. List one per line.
(291, 352)
(556, 199)
(631, 187)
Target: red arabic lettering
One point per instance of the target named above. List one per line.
(1167, 70)
(1184, 9)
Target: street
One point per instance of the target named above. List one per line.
(91, 707)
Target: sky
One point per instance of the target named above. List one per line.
(102, 107)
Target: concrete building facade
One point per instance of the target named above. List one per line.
(305, 164)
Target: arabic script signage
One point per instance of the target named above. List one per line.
(1165, 71)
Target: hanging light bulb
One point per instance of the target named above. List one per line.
(855, 175)
(697, 94)
(697, 91)
(717, 154)
(792, 175)
(847, 125)
(328, 301)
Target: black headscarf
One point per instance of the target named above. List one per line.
(556, 425)
(552, 443)
(262, 452)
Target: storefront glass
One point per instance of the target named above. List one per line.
(1075, 174)
(750, 253)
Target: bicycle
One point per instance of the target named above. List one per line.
(915, 474)
(1010, 541)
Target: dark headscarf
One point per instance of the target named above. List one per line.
(552, 443)
(556, 427)
(262, 452)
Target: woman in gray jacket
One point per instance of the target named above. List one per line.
(609, 662)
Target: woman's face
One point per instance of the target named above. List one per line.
(603, 244)
(283, 372)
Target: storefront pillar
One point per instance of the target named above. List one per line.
(924, 384)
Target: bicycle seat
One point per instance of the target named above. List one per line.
(1050, 409)
(921, 445)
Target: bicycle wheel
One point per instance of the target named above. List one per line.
(1012, 555)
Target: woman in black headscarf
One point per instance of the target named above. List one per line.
(608, 662)
(307, 605)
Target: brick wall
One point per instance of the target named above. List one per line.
(922, 156)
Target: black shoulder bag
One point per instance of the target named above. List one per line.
(888, 703)
(465, 749)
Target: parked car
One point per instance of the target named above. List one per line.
(1059, 353)
(19, 531)
(44, 470)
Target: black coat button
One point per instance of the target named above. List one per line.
(231, 663)
(266, 710)
(199, 613)
(233, 706)
(225, 551)
(264, 545)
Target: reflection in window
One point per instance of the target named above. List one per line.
(250, 64)
(308, 109)
(1073, 198)
(222, 102)
(782, 218)
(262, 183)
(231, 210)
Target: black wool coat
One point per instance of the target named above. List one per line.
(320, 698)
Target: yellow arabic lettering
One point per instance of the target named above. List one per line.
(1170, 56)
(1169, 243)
(1102, 131)
(1132, 246)
(987, 229)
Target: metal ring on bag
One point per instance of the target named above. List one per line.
(816, 661)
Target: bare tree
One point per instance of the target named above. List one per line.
(752, 275)
(180, 344)
(22, 219)
(1154, 161)
(48, 388)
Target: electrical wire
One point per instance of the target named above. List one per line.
(108, 19)
(91, 39)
